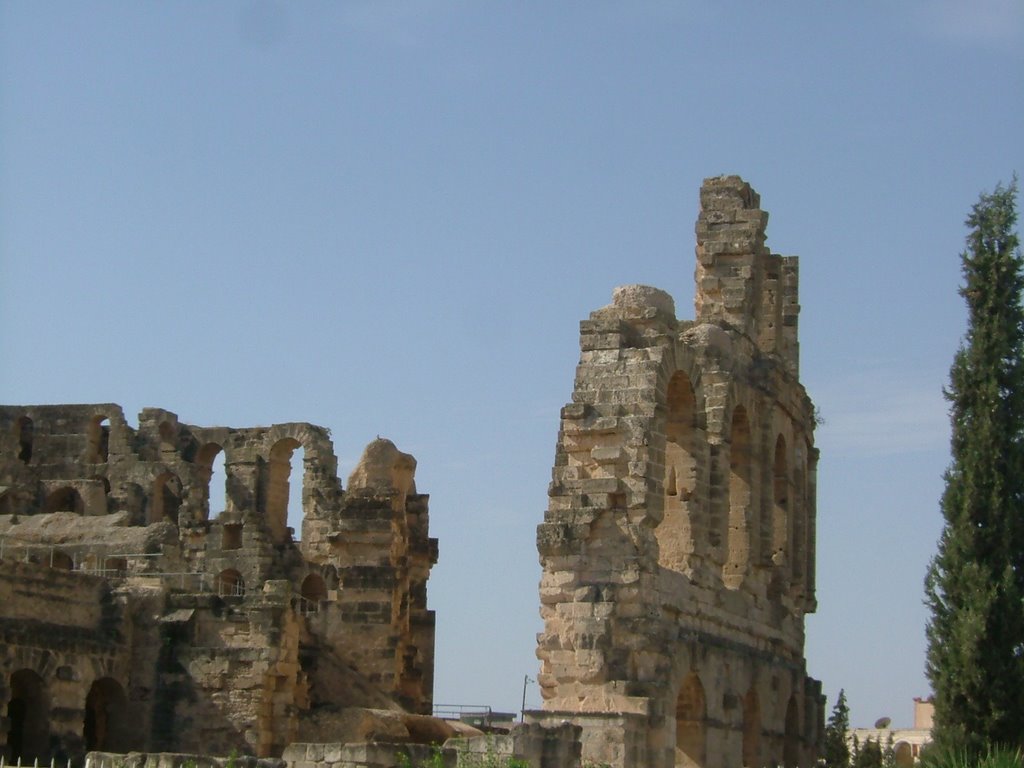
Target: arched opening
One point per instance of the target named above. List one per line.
(106, 715)
(168, 437)
(738, 539)
(691, 712)
(62, 561)
(903, 754)
(99, 440)
(6, 503)
(799, 526)
(24, 431)
(65, 499)
(279, 489)
(676, 532)
(28, 718)
(751, 729)
(791, 742)
(115, 567)
(313, 592)
(213, 479)
(166, 499)
(780, 502)
(229, 583)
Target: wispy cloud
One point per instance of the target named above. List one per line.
(882, 412)
(973, 22)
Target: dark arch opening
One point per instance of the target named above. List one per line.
(168, 437)
(691, 712)
(229, 583)
(791, 742)
(65, 499)
(99, 439)
(166, 500)
(780, 503)
(61, 560)
(28, 718)
(738, 539)
(25, 430)
(751, 729)
(106, 715)
(314, 590)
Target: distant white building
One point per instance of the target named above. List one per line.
(906, 742)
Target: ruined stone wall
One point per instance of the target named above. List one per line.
(678, 545)
(218, 629)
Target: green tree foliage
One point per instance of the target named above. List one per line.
(889, 753)
(975, 582)
(837, 750)
(869, 755)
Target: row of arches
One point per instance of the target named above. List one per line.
(761, 519)
(692, 723)
(97, 448)
(105, 723)
(313, 590)
(282, 498)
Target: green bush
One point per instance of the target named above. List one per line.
(995, 757)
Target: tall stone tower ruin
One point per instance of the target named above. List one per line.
(678, 544)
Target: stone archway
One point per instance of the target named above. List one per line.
(106, 715)
(791, 740)
(751, 729)
(28, 716)
(691, 713)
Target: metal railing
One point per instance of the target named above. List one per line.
(34, 763)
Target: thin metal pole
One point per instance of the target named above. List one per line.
(522, 709)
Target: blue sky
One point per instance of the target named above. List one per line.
(389, 218)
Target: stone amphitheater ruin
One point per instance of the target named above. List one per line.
(677, 554)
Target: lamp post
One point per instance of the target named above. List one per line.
(526, 680)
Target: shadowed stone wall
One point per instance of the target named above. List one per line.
(134, 616)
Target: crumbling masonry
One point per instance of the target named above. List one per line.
(678, 545)
(134, 617)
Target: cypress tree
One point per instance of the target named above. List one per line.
(975, 582)
(837, 750)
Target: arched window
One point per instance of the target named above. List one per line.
(738, 539)
(314, 591)
(904, 754)
(799, 525)
(213, 477)
(791, 742)
(62, 561)
(168, 437)
(229, 583)
(28, 718)
(780, 503)
(99, 440)
(279, 488)
(676, 533)
(691, 715)
(24, 430)
(751, 729)
(106, 718)
(65, 499)
(166, 498)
